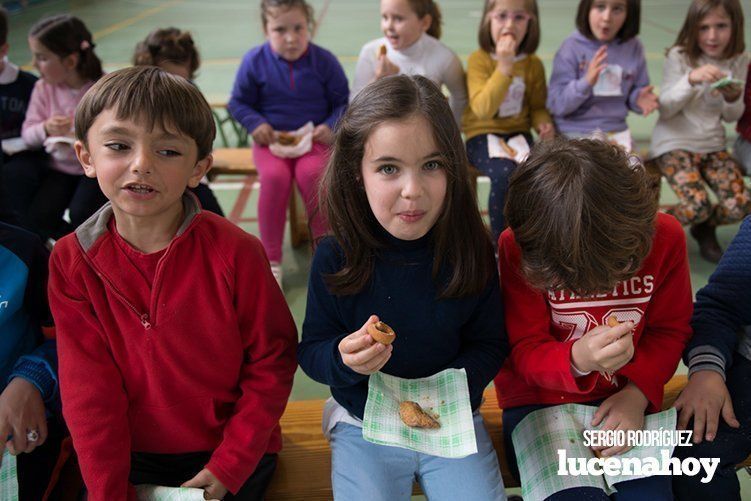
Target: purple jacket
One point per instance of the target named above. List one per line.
(574, 107)
(288, 94)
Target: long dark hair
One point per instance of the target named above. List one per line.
(168, 44)
(460, 239)
(688, 37)
(64, 35)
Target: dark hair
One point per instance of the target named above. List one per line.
(168, 45)
(460, 240)
(150, 94)
(531, 40)
(630, 26)
(64, 35)
(428, 7)
(3, 26)
(268, 5)
(583, 214)
(688, 37)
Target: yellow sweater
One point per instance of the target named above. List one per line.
(487, 89)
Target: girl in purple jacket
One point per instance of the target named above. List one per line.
(280, 86)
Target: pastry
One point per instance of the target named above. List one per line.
(612, 321)
(382, 50)
(287, 139)
(381, 333)
(508, 149)
(413, 416)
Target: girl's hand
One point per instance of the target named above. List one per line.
(361, 353)
(604, 348)
(546, 131)
(505, 50)
(731, 92)
(647, 100)
(596, 65)
(263, 134)
(622, 411)
(322, 134)
(385, 68)
(704, 398)
(58, 125)
(21, 411)
(708, 73)
(212, 487)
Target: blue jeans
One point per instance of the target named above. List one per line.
(498, 170)
(731, 445)
(654, 488)
(367, 471)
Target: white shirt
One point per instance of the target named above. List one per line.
(428, 57)
(691, 116)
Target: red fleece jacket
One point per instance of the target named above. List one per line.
(202, 359)
(543, 325)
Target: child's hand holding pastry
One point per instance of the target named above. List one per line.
(621, 411)
(505, 49)
(384, 66)
(361, 353)
(323, 134)
(263, 134)
(604, 348)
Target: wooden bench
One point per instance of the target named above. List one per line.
(304, 469)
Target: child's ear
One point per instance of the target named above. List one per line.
(201, 168)
(84, 157)
(71, 61)
(425, 22)
(4, 49)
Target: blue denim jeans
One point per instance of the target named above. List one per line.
(367, 471)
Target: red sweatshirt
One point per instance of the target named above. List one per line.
(543, 325)
(202, 359)
(744, 124)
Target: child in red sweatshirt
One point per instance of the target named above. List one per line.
(597, 294)
(176, 347)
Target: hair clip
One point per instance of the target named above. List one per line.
(85, 45)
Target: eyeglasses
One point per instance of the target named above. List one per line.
(518, 17)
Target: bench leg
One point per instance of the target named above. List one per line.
(298, 222)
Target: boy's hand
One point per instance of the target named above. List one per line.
(622, 411)
(58, 125)
(708, 73)
(705, 397)
(21, 411)
(361, 353)
(546, 131)
(212, 487)
(263, 134)
(596, 65)
(505, 50)
(385, 68)
(604, 348)
(322, 134)
(647, 100)
(731, 92)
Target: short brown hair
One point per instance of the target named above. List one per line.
(153, 95)
(168, 45)
(630, 27)
(267, 6)
(583, 215)
(531, 40)
(462, 247)
(688, 37)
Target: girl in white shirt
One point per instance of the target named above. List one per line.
(411, 47)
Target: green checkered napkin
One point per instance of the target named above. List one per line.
(159, 493)
(445, 394)
(8, 478)
(542, 433)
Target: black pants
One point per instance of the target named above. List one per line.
(35, 469)
(172, 470)
(207, 199)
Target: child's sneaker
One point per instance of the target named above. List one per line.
(276, 270)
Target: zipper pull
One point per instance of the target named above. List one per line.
(145, 321)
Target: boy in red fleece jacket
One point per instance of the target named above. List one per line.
(597, 294)
(176, 347)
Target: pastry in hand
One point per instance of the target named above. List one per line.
(381, 333)
(382, 50)
(508, 149)
(413, 416)
(287, 139)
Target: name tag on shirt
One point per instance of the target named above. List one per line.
(514, 100)
(609, 81)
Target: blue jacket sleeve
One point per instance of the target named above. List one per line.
(722, 308)
(484, 342)
(40, 369)
(323, 328)
(641, 77)
(244, 100)
(337, 91)
(566, 91)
